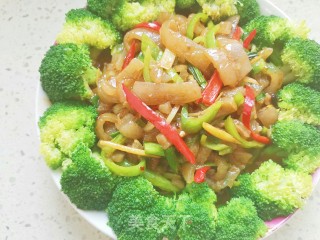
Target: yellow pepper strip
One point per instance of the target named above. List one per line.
(123, 148)
(218, 133)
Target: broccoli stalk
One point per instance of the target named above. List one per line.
(87, 181)
(83, 27)
(62, 127)
(274, 190)
(66, 72)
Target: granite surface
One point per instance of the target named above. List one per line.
(31, 207)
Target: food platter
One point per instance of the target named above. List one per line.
(98, 218)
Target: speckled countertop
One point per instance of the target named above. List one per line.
(31, 207)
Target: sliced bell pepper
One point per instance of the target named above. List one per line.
(249, 103)
(210, 40)
(125, 171)
(192, 24)
(153, 149)
(147, 42)
(160, 123)
(160, 181)
(215, 145)
(194, 124)
(172, 158)
(237, 33)
(130, 55)
(232, 130)
(249, 38)
(200, 174)
(212, 90)
(150, 25)
(219, 133)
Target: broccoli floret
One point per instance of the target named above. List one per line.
(102, 8)
(274, 31)
(130, 13)
(66, 72)
(303, 58)
(300, 143)
(239, 220)
(297, 101)
(218, 9)
(197, 212)
(87, 181)
(275, 191)
(137, 211)
(248, 10)
(83, 27)
(185, 4)
(62, 127)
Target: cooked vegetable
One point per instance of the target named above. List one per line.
(299, 143)
(302, 56)
(87, 181)
(83, 27)
(239, 218)
(167, 130)
(299, 102)
(212, 90)
(64, 126)
(274, 190)
(66, 72)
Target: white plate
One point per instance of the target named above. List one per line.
(99, 218)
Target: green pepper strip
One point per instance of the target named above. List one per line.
(192, 24)
(232, 130)
(194, 125)
(130, 171)
(174, 76)
(146, 43)
(160, 181)
(120, 139)
(258, 66)
(151, 148)
(172, 158)
(210, 37)
(210, 143)
(239, 99)
(146, 67)
(198, 76)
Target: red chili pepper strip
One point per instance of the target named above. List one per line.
(249, 103)
(130, 55)
(149, 25)
(259, 138)
(200, 174)
(160, 123)
(237, 33)
(248, 40)
(212, 90)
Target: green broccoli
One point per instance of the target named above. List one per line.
(300, 144)
(248, 10)
(62, 127)
(87, 181)
(185, 4)
(83, 27)
(239, 220)
(218, 9)
(66, 72)
(197, 212)
(137, 211)
(130, 13)
(222, 9)
(302, 56)
(102, 8)
(297, 101)
(275, 191)
(274, 31)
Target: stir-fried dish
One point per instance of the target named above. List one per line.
(184, 119)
